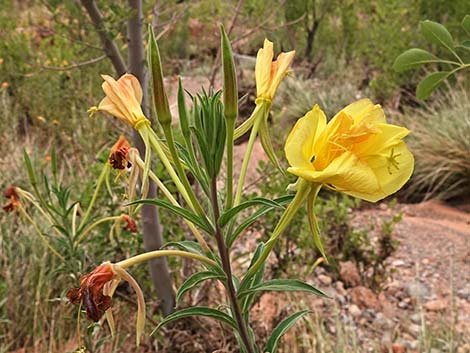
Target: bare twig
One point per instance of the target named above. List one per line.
(111, 49)
(216, 64)
(76, 65)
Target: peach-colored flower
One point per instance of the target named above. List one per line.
(5, 85)
(123, 99)
(118, 158)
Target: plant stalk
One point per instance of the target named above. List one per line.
(225, 258)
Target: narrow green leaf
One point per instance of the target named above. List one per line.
(185, 245)
(466, 24)
(195, 219)
(183, 112)
(413, 58)
(194, 280)
(247, 301)
(232, 212)
(197, 311)
(429, 83)
(281, 329)
(283, 285)
(465, 45)
(248, 221)
(29, 168)
(437, 34)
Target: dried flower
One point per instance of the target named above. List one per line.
(14, 200)
(118, 158)
(130, 223)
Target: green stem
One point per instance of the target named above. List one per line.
(303, 191)
(38, 231)
(170, 197)
(246, 158)
(229, 143)
(93, 225)
(159, 253)
(192, 202)
(225, 259)
(101, 178)
(179, 169)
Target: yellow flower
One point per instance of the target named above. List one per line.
(269, 73)
(123, 99)
(357, 152)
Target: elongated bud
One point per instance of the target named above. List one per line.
(230, 77)
(160, 98)
(183, 112)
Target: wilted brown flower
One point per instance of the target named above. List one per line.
(90, 293)
(118, 157)
(130, 224)
(14, 200)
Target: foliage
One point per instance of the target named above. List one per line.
(436, 34)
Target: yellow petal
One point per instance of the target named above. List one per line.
(392, 175)
(263, 67)
(299, 143)
(279, 71)
(389, 135)
(364, 109)
(346, 173)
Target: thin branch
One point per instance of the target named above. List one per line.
(111, 49)
(230, 28)
(76, 65)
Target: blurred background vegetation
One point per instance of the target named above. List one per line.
(50, 61)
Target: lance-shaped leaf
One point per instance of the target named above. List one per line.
(429, 83)
(413, 58)
(198, 311)
(283, 285)
(194, 280)
(230, 77)
(160, 98)
(229, 214)
(281, 329)
(195, 219)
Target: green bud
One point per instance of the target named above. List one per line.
(160, 98)
(209, 130)
(230, 77)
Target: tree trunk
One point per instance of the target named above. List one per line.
(152, 231)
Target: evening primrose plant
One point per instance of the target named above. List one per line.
(356, 153)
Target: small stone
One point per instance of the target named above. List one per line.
(365, 298)
(417, 289)
(354, 310)
(398, 348)
(325, 280)
(436, 305)
(414, 330)
(416, 318)
(398, 263)
(348, 273)
(340, 288)
(464, 293)
(425, 261)
(402, 305)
